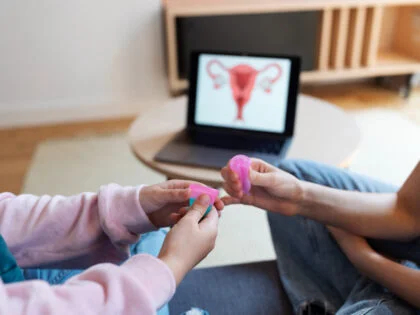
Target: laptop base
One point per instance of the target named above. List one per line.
(181, 150)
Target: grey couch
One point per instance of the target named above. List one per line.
(251, 289)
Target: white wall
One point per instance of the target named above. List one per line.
(80, 59)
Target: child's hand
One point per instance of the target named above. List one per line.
(271, 189)
(191, 239)
(161, 202)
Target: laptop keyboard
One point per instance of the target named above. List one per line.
(271, 148)
(235, 143)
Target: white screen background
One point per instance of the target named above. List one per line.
(263, 112)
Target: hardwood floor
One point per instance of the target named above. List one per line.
(362, 96)
(18, 145)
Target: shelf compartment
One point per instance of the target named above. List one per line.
(271, 33)
(400, 36)
(339, 37)
(395, 58)
(371, 40)
(324, 39)
(355, 39)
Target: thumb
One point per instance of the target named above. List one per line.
(211, 220)
(199, 208)
(259, 179)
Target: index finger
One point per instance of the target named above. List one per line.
(229, 175)
(180, 184)
(219, 204)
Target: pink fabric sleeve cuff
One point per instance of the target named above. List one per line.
(122, 217)
(155, 275)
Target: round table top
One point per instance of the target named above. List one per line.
(323, 133)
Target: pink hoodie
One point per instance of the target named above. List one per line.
(77, 232)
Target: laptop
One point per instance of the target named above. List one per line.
(237, 104)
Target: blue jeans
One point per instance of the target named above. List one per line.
(149, 243)
(317, 276)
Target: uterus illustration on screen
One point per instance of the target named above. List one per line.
(242, 79)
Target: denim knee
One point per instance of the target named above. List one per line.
(291, 166)
(332, 176)
(307, 170)
(384, 306)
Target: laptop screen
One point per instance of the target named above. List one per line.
(242, 92)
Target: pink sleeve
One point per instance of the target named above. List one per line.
(139, 286)
(80, 230)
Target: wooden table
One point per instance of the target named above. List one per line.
(323, 133)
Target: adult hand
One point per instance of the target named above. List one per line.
(161, 202)
(191, 239)
(271, 189)
(355, 247)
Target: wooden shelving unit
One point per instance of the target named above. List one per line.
(356, 38)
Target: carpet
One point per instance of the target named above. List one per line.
(389, 149)
(390, 145)
(71, 166)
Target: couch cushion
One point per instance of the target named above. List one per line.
(252, 288)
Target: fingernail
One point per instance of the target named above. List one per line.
(204, 200)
